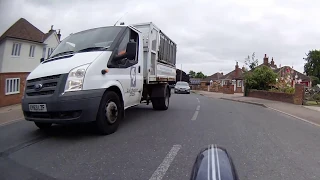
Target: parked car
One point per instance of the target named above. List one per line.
(182, 87)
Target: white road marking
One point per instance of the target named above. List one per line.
(198, 100)
(10, 122)
(195, 115)
(164, 166)
(198, 108)
(307, 121)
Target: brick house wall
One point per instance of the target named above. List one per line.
(238, 90)
(228, 89)
(6, 100)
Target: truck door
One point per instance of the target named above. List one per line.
(130, 71)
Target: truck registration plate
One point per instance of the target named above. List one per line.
(38, 107)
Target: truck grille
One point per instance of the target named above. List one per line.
(42, 86)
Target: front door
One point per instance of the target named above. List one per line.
(129, 73)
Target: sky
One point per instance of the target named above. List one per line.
(211, 35)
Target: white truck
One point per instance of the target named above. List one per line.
(94, 75)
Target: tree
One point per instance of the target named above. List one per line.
(200, 75)
(192, 74)
(315, 80)
(261, 78)
(251, 62)
(312, 65)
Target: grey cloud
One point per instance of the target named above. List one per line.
(211, 35)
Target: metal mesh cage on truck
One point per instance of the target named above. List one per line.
(167, 50)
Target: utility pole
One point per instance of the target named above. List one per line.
(181, 73)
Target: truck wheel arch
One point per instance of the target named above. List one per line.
(117, 90)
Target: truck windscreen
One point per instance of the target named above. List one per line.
(92, 38)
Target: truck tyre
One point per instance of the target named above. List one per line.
(41, 125)
(109, 114)
(161, 103)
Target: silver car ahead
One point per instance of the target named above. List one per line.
(182, 87)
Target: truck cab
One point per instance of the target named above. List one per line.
(93, 76)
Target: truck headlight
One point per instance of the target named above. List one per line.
(75, 78)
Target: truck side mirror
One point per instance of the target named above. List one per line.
(41, 60)
(131, 50)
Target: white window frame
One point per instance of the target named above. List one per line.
(50, 50)
(225, 82)
(31, 51)
(16, 49)
(239, 83)
(12, 86)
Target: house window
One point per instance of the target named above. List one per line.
(16, 49)
(225, 82)
(50, 50)
(239, 83)
(12, 86)
(31, 51)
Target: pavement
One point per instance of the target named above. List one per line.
(263, 143)
(10, 114)
(308, 114)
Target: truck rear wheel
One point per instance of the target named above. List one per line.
(41, 125)
(109, 114)
(161, 103)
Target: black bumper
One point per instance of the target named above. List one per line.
(181, 91)
(70, 107)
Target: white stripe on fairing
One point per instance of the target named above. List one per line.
(164, 166)
(213, 163)
(209, 162)
(218, 164)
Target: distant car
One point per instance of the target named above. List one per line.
(182, 87)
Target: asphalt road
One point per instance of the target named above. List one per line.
(264, 144)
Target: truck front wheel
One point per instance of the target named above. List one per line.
(109, 114)
(161, 103)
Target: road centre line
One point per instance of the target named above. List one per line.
(164, 166)
(198, 108)
(198, 100)
(195, 115)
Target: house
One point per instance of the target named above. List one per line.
(295, 76)
(214, 77)
(288, 72)
(235, 78)
(21, 48)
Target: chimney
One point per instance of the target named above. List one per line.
(265, 60)
(59, 35)
(237, 69)
(272, 62)
(51, 29)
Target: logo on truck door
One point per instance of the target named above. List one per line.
(133, 82)
(133, 76)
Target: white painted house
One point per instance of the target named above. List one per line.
(21, 48)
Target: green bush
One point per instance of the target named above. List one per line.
(289, 90)
(261, 78)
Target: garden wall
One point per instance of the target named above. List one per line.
(296, 98)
